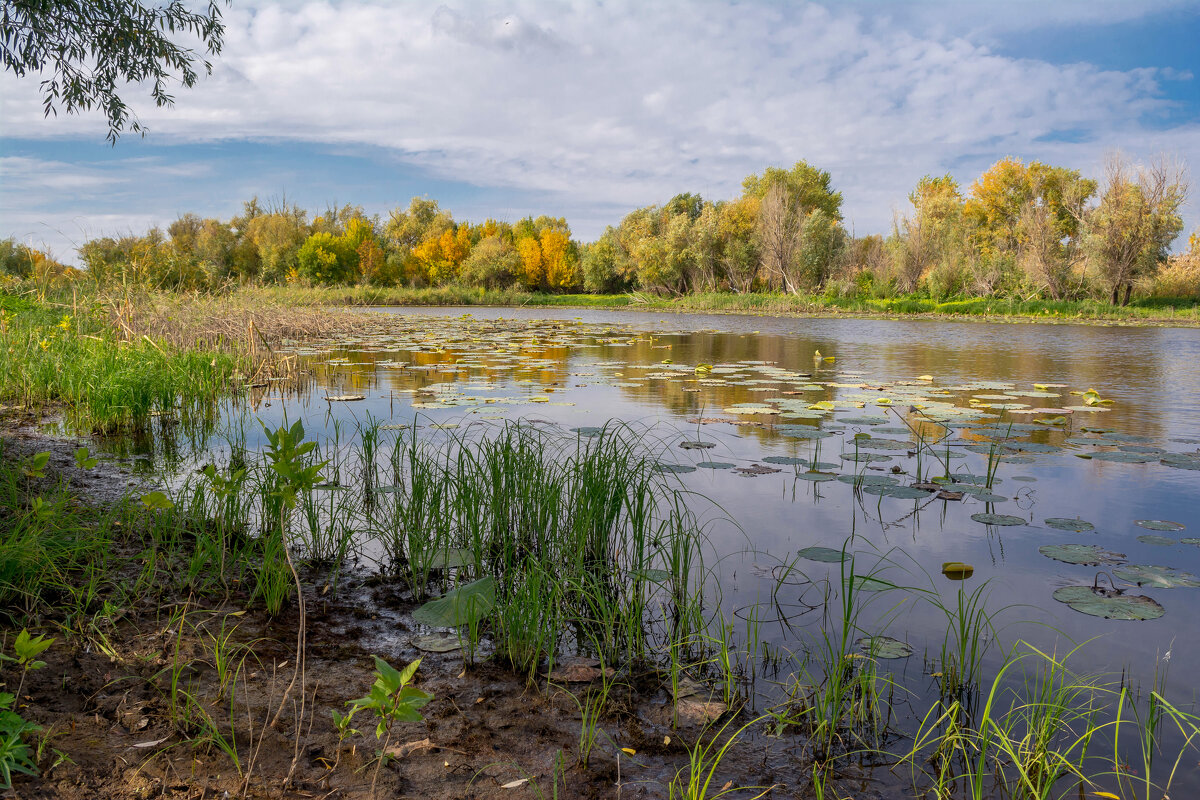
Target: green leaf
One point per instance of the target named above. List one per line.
(466, 604)
(157, 501)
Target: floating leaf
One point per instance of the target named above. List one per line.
(1159, 525)
(826, 554)
(1066, 524)
(791, 461)
(1153, 538)
(997, 519)
(675, 469)
(1089, 554)
(898, 492)
(696, 445)
(884, 647)
(715, 465)
(1158, 577)
(1108, 603)
(465, 604)
(957, 570)
(344, 398)
(816, 477)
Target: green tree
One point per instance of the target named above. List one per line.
(85, 48)
(1130, 233)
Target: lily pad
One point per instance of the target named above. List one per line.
(1159, 525)
(715, 465)
(1154, 538)
(898, 492)
(1156, 576)
(790, 461)
(459, 606)
(816, 477)
(675, 469)
(868, 480)
(1087, 554)
(998, 519)
(1108, 603)
(884, 647)
(1190, 540)
(863, 420)
(1122, 457)
(826, 554)
(696, 445)
(1067, 524)
(957, 570)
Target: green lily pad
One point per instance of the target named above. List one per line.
(826, 554)
(468, 603)
(884, 647)
(790, 461)
(862, 420)
(1121, 457)
(865, 458)
(998, 519)
(1153, 538)
(1108, 603)
(898, 492)
(868, 480)
(816, 477)
(1190, 540)
(1087, 554)
(675, 469)
(715, 465)
(696, 445)
(1181, 460)
(1158, 577)
(802, 432)
(587, 430)
(653, 575)
(1066, 524)
(865, 583)
(1159, 525)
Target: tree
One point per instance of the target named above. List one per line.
(1138, 218)
(89, 46)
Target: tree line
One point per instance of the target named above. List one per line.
(1019, 230)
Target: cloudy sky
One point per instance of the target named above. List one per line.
(589, 109)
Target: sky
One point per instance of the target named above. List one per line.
(588, 110)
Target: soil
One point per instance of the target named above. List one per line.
(111, 729)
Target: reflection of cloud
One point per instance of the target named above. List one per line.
(626, 104)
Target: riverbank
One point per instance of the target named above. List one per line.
(1147, 311)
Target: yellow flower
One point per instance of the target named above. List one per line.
(44, 344)
(65, 324)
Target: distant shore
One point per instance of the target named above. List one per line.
(1151, 312)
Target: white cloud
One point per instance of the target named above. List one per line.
(623, 104)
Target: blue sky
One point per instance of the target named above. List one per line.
(590, 109)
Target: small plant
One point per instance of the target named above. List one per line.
(84, 459)
(35, 467)
(391, 700)
(26, 650)
(14, 751)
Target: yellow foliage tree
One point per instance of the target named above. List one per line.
(533, 268)
(561, 270)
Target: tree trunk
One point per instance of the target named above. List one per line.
(1128, 291)
(1116, 290)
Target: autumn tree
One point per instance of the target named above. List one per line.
(1131, 231)
(787, 198)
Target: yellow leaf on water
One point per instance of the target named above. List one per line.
(924, 377)
(629, 750)
(1109, 795)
